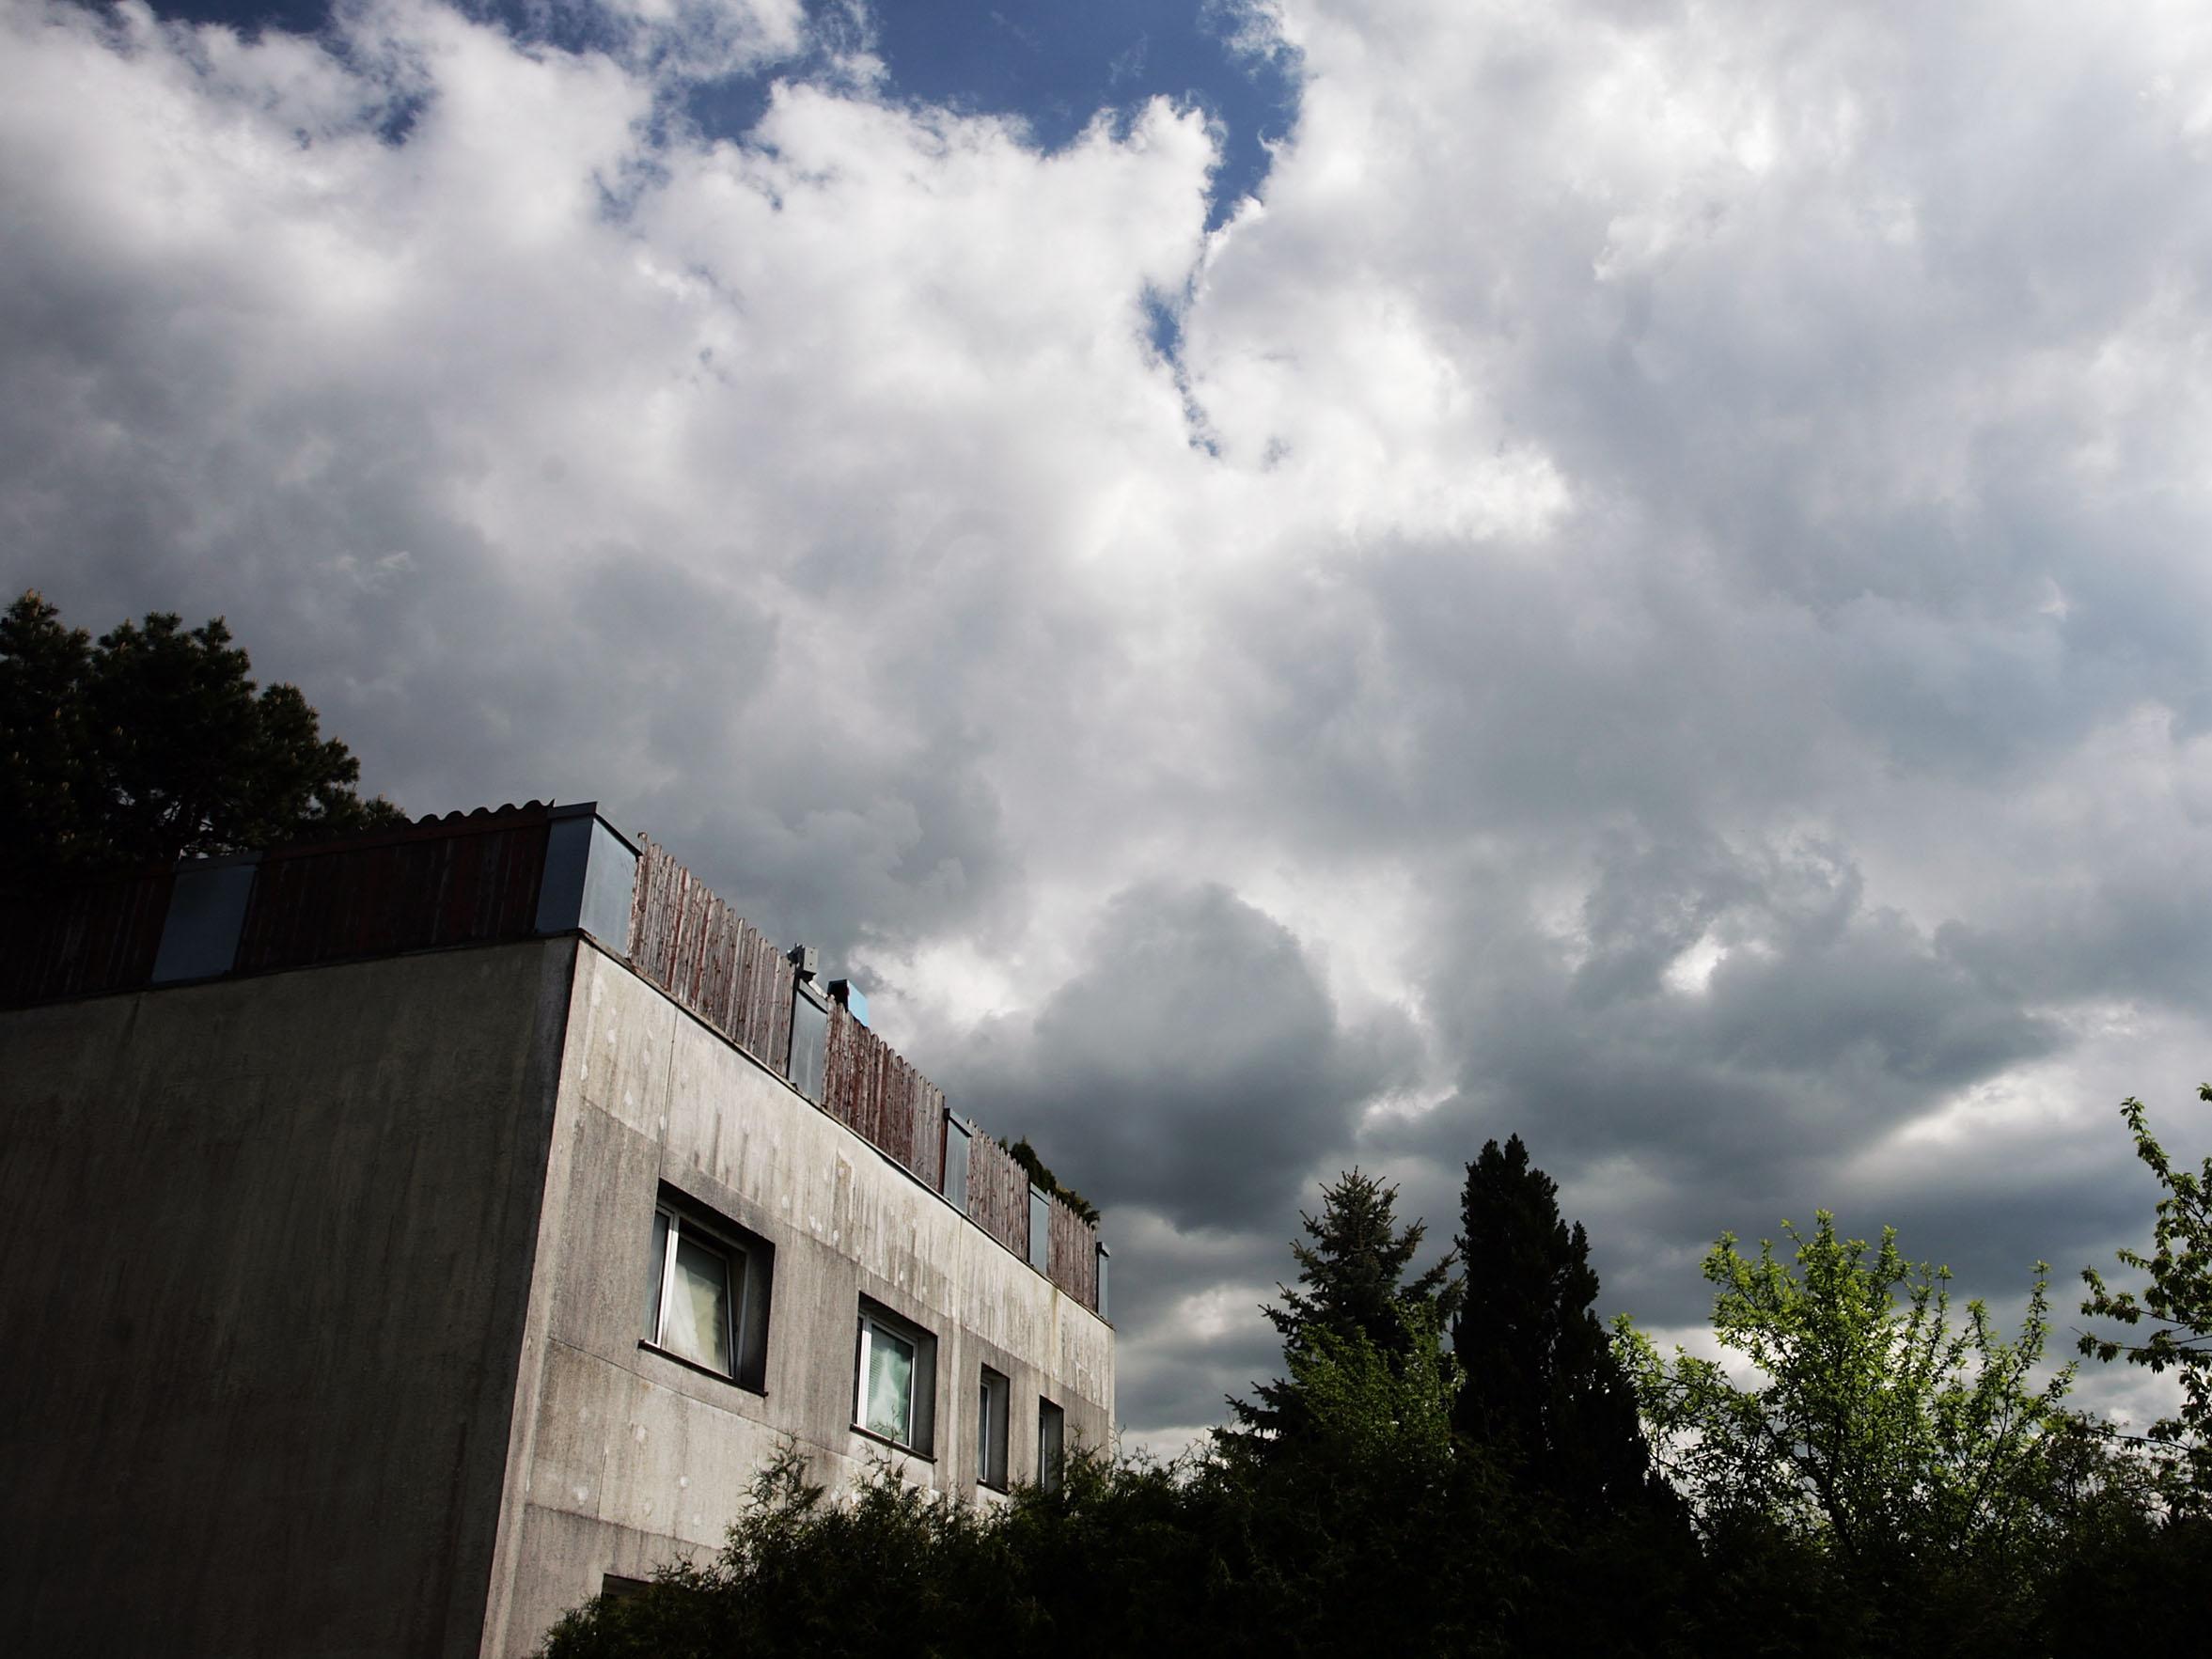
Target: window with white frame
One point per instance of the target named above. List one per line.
(894, 1393)
(707, 1295)
(991, 1399)
(1051, 1443)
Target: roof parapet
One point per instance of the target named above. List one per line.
(525, 872)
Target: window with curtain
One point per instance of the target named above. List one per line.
(693, 1312)
(707, 1292)
(892, 1397)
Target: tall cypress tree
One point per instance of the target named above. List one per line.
(1541, 1389)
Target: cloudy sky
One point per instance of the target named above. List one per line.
(1286, 582)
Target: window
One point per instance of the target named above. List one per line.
(707, 1298)
(894, 1394)
(991, 1397)
(691, 1314)
(1051, 1443)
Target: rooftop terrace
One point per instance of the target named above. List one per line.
(533, 871)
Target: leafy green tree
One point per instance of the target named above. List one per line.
(1365, 1528)
(2169, 1322)
(1541, 1384)
(1876, 1447)
(1376, 1405)
(1353, 1285)
(154, 744)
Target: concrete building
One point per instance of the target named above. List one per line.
(401, 1237)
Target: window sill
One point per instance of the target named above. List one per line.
(704, 1370)
(898, 1446)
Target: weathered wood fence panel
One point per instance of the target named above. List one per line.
(700, 952)
(1074, 1259)
(870, 1087)
(79, 941)
(999, 1194)
(695, 949)
(452, 881)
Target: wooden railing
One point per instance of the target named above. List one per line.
(694, 948)
(1072, 1264)
(460, 880)
(84, 939)
(868, 1087)
(999, 1194)
(700, 952)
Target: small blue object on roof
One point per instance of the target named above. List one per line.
(851, 996)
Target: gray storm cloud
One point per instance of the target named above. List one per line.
(1658, 600)
(1195, 1066)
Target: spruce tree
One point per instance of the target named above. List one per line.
(1353, 1290)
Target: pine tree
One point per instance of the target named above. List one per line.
(1352, 1291)
(1541, 1388)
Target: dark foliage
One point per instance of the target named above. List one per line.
(1541, 1387)
(2106, 1567)
(2133, 1579)
(1392, 1492)
(1103, 1565)
(153, 744)
(1026, 1155)
(1346, 1548)
(1541, 1396)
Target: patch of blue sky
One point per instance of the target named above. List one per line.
(1053, 65)
(1057, 64)
(249, 17)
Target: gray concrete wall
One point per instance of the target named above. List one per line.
(620, 1457)
(321, 1295)
(265, 1252)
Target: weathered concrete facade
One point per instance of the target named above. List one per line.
(325, 1291)
(268, 1250)
(621, 1456)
